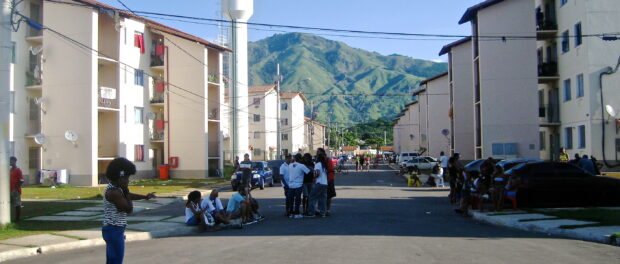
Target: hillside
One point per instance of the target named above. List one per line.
(325, 70)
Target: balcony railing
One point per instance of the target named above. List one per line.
(158, 92)
(108, 98)
(544, 22)
(548, 69)
(33, 78)
(157, 135)
(549, 113)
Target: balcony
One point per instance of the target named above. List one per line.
(157, 130)
(548, 72)
(158, 53)
(108, 99)
(549, 115)
(546, 27)
(34, 80)
(158, 93)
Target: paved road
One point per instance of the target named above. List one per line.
(376, 220)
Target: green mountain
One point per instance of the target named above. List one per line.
(342, 82)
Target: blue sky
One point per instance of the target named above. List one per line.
(408, 16)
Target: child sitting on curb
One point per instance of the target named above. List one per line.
(195, 215)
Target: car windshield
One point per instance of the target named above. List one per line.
(257, 165)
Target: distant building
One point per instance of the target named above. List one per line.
(434, 98)
(406, 129)
(263, 122)
(292, 122)
(76, 109)
(315, 135)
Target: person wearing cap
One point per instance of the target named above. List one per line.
(117, 203)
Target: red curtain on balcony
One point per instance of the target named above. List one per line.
(159, 50)
(138, 41)
(159, 125)
(138, 152)
(160, 87)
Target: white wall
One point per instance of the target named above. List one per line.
(438, 95)
(463, 108)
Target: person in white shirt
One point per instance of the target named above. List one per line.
(444, 164)
(284, 173)
(296, 172)
(319, 192)
(213, 205)
(437, 174)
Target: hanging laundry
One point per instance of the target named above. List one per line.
(160, 87)
(159, 50)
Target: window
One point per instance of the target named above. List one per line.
(256, 102)
(138, 41)
(138, 154)
(257, 152)
(256, 118)
(138, 114)
(541, 139)
(580, 91)
(284, 106)
(13, 52)
(582, 137)
(578, 38)
(256, 135)
(567, 90)
(565, 42)
(34, 158)
(568, 137)
(284, 136)
(285, 121)
(139, 77)
(563, 2)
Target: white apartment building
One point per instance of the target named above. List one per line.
(505, 115)
(461, 110)
(315, 135)
(406, 131)
(573, 92)
(292, 122)
(140, 97)
(434, 100)
(263, 122)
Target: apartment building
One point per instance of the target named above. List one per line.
(263, 124)
(505, 116)
(406, 131)
(461, 110)
(141, 96)
(292, 122)
(315, 135)
(573, 93)
(434, 99)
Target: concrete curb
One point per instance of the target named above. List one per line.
(533, 227)
(134, 236)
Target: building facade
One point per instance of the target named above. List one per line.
(128, 90)
(434, 97)
(315, 135)
(292, 122)
(263, 122)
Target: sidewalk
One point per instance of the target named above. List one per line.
(552, 225)
(151, 219)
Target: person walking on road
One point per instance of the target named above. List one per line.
(17, 180)
(117, 203)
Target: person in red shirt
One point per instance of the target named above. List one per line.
(331, 175)
(17, 179)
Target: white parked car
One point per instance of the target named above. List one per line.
(422, 163)
(405, 156)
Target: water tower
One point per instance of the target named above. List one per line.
(239, 12)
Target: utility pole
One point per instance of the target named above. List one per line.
(385, 138)
(278, 106)
(5, 76)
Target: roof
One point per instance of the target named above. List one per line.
(448, 47)
(432, 79)
(261, 88)
(155, 25)
(471, 12)
(419, 90)
(291, 95)
(314, 121)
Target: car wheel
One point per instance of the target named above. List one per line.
(262, 184)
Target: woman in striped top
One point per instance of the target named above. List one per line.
(117, 203)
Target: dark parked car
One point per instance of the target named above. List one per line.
(510, 163)
(474, 166)
(261, 175)
(275, 168)
(561, 184)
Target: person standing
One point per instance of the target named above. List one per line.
(295, 185)
(564, 156)
(246, 171)
(308, 182)
(586, 164)
(17, 180)
(597, 169)
(284, 171)
(117, 203)
(444, 164)
(331, 188)
(319, 191)
(236, 164)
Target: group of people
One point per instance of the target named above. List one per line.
(308, 184)
(588, 164)
(362, 162)
(210, 214)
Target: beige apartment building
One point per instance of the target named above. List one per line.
(434, 99)
(406, 131)
(573, 92)
(263, 122)
(292, 122)
(461, 110)
(141, 96)
(506, 120)
(314, 135)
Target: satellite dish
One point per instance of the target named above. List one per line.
(40, 139)
(151, 115)
(36, 50)
(71, 136)
(610, 110)
(445, 132)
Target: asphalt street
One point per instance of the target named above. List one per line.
(376, 219)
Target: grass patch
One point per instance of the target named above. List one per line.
(29, 228)
(605, 217)
(67, 192)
